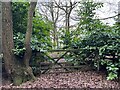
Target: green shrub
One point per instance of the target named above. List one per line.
(103, 49)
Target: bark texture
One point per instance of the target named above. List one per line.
(28, 36)
(7, 37)
(18, 71)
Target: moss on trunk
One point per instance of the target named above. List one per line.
(22, 74)
(17, 80)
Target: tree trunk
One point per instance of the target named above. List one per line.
(0, 43)
(28, 36)
(18, 71)
(55, 35)
(11, 65)
(7, 37)
(54, 25)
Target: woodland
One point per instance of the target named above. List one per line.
(58, 45)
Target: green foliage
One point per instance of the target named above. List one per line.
(66, 39)
(86, 25)
(101, 44)
(41, 32)
(87, 13)
(19, 44)
(37, 43)
(96, 41)
(112, 71)
(19, 15)
(41, 29)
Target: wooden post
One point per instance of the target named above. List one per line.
(0, 43)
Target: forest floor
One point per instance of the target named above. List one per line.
(77, 79)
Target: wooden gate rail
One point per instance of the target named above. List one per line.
(56, 61)
(61, 50)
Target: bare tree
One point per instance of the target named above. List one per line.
(67, 7)
(58, 11)
(51, 13)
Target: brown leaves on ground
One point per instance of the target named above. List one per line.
(89, 79)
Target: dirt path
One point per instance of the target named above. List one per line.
(89, 79)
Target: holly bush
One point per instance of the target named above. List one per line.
(102, 48)
(98, 44)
